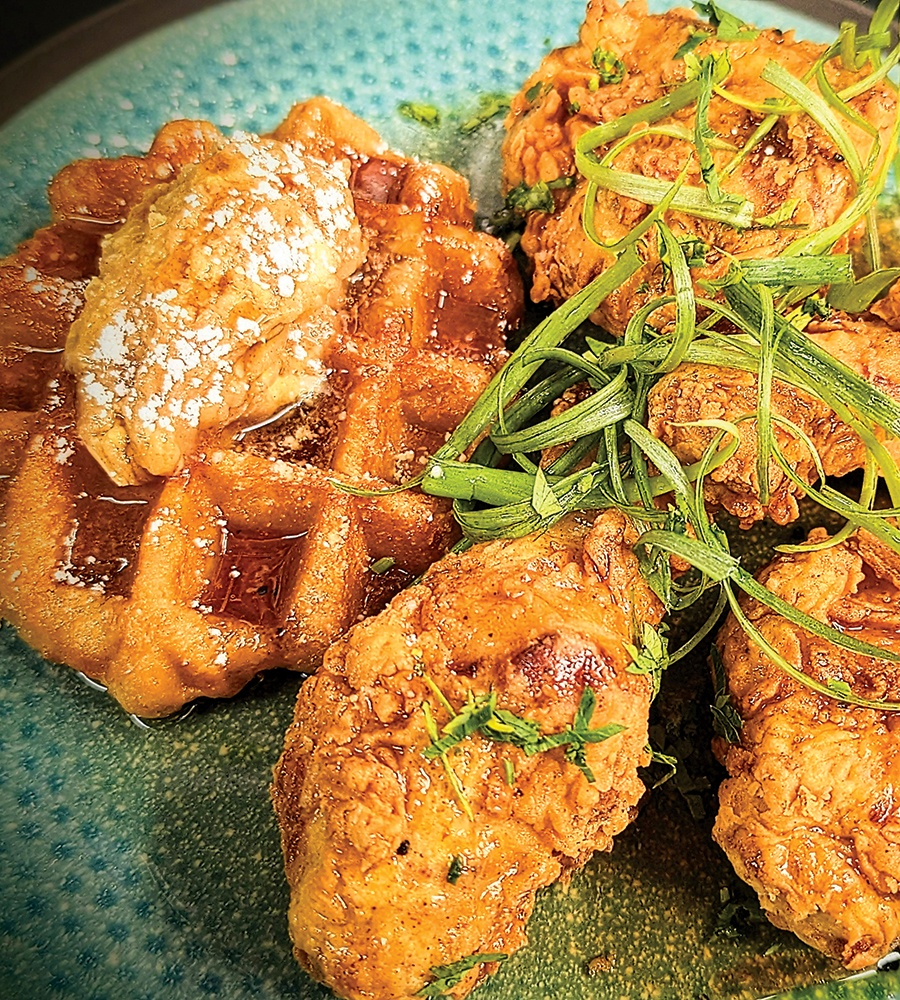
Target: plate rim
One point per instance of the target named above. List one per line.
(38, 70)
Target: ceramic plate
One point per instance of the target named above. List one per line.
(144, 862)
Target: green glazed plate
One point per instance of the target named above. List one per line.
(144, 862)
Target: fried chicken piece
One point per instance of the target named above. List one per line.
(215, 302)
(693, 392)
(809, 813)
(566, 96)
(389, 876)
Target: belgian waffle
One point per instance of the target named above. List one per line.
(254, 554)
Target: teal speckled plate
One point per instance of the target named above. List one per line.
(145, 862)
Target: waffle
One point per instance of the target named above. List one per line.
(252, 554)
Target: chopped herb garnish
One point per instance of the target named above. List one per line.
(448, 976)
(489, 106)
(424, 114)
(480, 715)
(576, 738)
(457, 867)
(382, 565)
(780, 218)
(695, 251)
(841, 689)
(727, 721)
(690, 43)
(534, 91)
(652, 656)
(538, 197)
(817, 307)
(610, 68)
(729, 27)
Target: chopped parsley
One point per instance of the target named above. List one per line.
(424, 114)
(489, 106)
(652, 657)
(690, 43)
(457, 867)
(448, 976)
(481, 716)
(534, 91)
(610, 68)
(726, 719)
(729, 27)
(538, 197)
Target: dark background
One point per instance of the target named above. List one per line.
(26, 23)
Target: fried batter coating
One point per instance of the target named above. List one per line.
(215, 302)
(693, 392)
(372, 830)
(796, 164)
(809, 813)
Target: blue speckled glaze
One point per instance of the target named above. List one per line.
(141, 863)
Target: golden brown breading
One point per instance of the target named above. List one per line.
(565, 97)
(370, 827)
(809, 813)
(695, 392)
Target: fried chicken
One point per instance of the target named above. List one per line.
(809, 814)
(694, 392)
(796, 165)
(389, 876)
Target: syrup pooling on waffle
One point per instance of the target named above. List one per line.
(251, 556)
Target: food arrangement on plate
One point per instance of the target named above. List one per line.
(265, 403)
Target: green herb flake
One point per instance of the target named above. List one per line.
(489, 106)
(694, 39)
(781, 217)
(839, 688)
(425, 114)
(449, 976)
(695, 251)
(543, 499)
(817, 307)
(382, 565)
(534, 91)
(457, 867)
(574, 108)
(726, 719)
(652, 657)
(576, 738)
(537, 198)
(610, 68)
(509, 772)
(729, 27)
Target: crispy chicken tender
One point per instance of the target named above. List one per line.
(796, 162)
(693, 392)
(809, 813)
(215, 302)
(370, 827)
